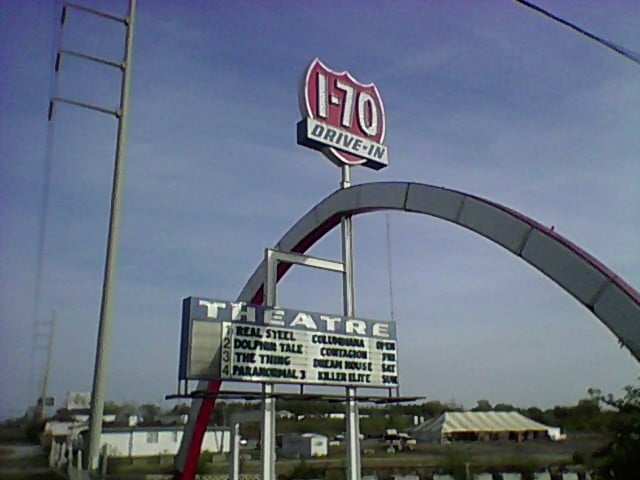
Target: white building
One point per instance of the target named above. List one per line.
(306, 445)
(61, 432)
(164, 440)
(334, 415)
(285, 414)
(175, 419)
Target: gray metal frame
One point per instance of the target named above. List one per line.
(271, 259)
(605, 294)
(613, 301)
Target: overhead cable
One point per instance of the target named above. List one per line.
(628, 54)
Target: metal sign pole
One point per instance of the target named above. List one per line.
(267, 438)
(353, 421)
(267, 444)
(234, 422)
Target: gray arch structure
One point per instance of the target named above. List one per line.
(614, 302)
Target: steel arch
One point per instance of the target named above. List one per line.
(614, 302)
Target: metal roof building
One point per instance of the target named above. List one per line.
(479, 426)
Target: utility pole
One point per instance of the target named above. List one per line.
(42, 400)
(121, 114)
(47, 370)
(102, 347)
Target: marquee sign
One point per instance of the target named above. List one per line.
(78, 400)
(342, 118)
(241, 342)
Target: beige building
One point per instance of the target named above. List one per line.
(481, 426)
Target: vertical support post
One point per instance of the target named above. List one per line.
(104, 459)
(69, 462)
(234, 471)
(353, 417)
(104, 326)
(53, 453)
(267, 439)
(353, 436)
(270, 261)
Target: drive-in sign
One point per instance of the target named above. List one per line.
(236, 341)
(342, 118)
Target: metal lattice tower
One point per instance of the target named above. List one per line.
(41, 367)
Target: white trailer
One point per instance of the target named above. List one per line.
(306, 445)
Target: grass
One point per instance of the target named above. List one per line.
(32, 476)
(5, 452)
(24, 462)
(381, 460)
(425, 459)
(12, 435)
(405, 462)
(8, 460)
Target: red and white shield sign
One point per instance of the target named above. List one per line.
(347, 117)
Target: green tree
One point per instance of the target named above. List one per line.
(482, 406)
(534, 413)
(111, 408)
(180, 409)
(128, 408)
(150, 413)
(433, 408)
(375, 425)
(620, 459)
(34, 428)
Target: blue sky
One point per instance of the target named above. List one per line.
(484, 97)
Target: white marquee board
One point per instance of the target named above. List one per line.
(224, 340)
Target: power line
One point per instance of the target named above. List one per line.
(634, 57)
(389, 270)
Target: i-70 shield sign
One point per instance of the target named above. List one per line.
(343, 118)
